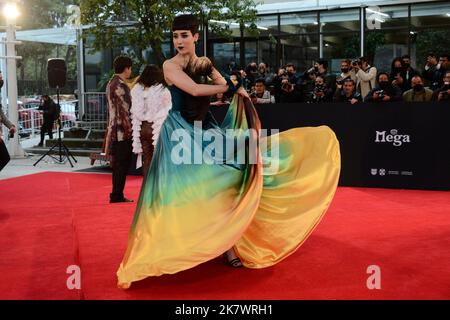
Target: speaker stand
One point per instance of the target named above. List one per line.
(64, 152)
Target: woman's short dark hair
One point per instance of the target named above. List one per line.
(121, 63)
(151, 75)
(382, 73)
(185, 22)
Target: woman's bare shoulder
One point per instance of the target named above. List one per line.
(172, 63)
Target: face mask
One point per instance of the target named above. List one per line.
(406, 65)
(344, 70)
(316, 69)
(1, 83)
(320, 87)
(418, 87)
(384, 84)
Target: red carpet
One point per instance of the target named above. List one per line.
(49, 221)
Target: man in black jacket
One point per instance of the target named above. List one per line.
(50, 112)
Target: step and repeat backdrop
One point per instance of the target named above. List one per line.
(392, 145)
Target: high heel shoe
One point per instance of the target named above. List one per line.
(232, 260)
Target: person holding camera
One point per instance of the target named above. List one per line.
(321, 92)
(441, 69)
(322, 70)
(443, 93)
(4, 155)
(418, 93)
(347, 72)
(347, 93)
(385, 91)
(365, 76)
(288, 85)
(430, 69)
(50, 113)
(261, 95)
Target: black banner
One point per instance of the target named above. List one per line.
(390, 145)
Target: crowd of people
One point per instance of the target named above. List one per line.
(358, 81)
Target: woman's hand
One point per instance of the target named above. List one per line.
(243, 93)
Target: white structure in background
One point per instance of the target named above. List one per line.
(10, 11)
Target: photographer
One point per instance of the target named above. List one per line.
(408, 73)
(347, 72)
(443, 93)
(4, 155)
(289, 85)
(384, 92)
(50, 112)
(322, 70)
(251, 75)
(430, 69)
(418, 93)
(441, 69)
(347, 93)
(261, 95)
(397, 72)
(321, 92)
(365, 76)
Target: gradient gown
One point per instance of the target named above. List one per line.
(188, 214)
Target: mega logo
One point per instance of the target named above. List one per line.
(392, 137)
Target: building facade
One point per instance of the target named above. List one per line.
(303, 31)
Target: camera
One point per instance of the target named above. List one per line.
(381, 94)
(356, 62)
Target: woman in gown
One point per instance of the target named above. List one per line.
(191, 211)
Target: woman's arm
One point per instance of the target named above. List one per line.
(176, 76)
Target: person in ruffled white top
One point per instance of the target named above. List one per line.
(151, 102)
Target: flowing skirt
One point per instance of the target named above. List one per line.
(264, 197)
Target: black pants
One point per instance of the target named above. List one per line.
(121, 153)
(4, 155)
(47, 127)
(147, 146)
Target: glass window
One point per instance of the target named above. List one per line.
(226, 56)
(430, 31)
(250, 52)
(384, 45)
(426, 15)
(340, 20)
(436, 40)
(300, 50)
(339, 46)
(299, 23)
(386, 17)
(266, 25)
(215, 25)
(267, 52)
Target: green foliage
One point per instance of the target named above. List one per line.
(145, 24)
